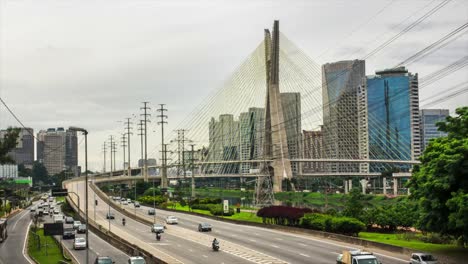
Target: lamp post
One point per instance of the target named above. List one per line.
(85, 133)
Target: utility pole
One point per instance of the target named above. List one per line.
(114, 151)
(111, 144)
(192, 158)
(104, 150)
(162, 116)
(128, 142)
(141, 134)
(124, 145)
(145, 115)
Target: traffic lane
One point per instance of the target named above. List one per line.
(289, 252)
(184, 250)
(271, 240)
(11, 250)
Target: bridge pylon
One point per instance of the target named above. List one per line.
(276, 147)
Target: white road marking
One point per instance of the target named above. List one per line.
(275, 246)
(277, 238)
(191, 250)
(252, 240)
(302, 244)
(307, 256)
(24, 244)
(205, 256)
(19, 220)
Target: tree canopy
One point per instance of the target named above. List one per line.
(7, 143)
(440, 183)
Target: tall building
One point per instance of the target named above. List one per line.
(389, 118)
(291, 103)
(429, 118)
(23, 153)
(224, 144)
(313, 149)
(57, 149)
(251, 133)
(340, 81)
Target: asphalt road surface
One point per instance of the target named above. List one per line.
(11, 250)
(238, 243)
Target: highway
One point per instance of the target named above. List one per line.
(239, 243)
(98, 247)
(11, 250)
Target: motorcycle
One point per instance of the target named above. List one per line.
(123, 221)
(215, 246)
(158, 236)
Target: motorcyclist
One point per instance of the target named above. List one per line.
(158, 236)
(123, 221)
(215, 244)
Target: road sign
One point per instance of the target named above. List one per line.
(59, 192)
(53, 229)
(226, 206)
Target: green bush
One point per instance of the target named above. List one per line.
(335, 224)
(219, 210)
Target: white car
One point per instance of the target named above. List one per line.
(157, 228)
(58, 218)
(136, 260)
(125, 202)
(79, 243)
(76, 224)
(129, 200)
(172, 220)
(422, 258)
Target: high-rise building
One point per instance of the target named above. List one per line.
(429, 118)
(251, 134)
(23, 153)
(340, 81)
(291, 103)
(313, 149)
(389, 119)
(57, 149)
(224, 144)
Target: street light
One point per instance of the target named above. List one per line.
(85, 133)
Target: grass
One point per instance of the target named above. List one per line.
(413, 243)
(244, 216)
(54, 254)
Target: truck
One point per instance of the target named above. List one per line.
(3, 229)
(357, 257)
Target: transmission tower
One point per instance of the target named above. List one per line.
(162, 116)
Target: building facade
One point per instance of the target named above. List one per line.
(291, 103)
(429, 119)
(224, 144)
(313, 149)
(340, 82)
(23, 153)
(57, 149)
(251, 137)
(389, 119)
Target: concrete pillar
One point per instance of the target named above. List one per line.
(364, 183)
(395, 186)
(384, 181)
(350, 182)
(345, 184)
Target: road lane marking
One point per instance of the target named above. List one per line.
(304, 255)
(14, 226)
(275, 246)
(24, 244)
(302, 244)
(205, 256)
(277, 238)
(252, 240)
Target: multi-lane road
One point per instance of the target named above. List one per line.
(13, 249)
(182, 243)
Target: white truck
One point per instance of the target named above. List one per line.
(356, 257)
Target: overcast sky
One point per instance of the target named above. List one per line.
(92, 63)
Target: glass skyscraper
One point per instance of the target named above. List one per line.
(389, 118)
(429, 118)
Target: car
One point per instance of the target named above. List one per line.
(136, 260)
(123, 199)
(110, 215)
(76, 224)
(157, 228)
(52, 206)
(202, 227)
(136, 204)
(40, 212)
(69, 220)
(58, 218)
(129, 201)
(423, 258)
(79, 243)
(56, 212)
(68, 233)
(81, 229)
(172, 220)
(103, 260)
(151, 211)
(125, 202)
(116, 198)
(32, 210)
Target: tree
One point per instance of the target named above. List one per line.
(7, 143)
(440, 182)
(354, 204)
(39, 174)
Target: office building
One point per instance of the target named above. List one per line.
(251, 134)
(340, 81)
(57, 149)
(389, 119)
(429, 130)
(23, 153)
(313, 149)
(291, 104)
(224, 144)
